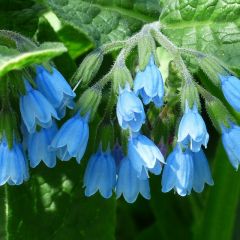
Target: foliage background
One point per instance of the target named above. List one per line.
(51, 206)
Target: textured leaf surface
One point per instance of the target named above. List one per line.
(103, 20)
(212, 26)
(11, 59)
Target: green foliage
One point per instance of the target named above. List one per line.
(104, 21)
(212, 26)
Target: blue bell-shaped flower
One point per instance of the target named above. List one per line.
(128, 183)
(72, 138)
(178, 172)
(36, 109)
(13, 166)
(100, 174)
(192, 130)
(231, 143)
(55, 88)
(38, 147)
(149, 84)
(144, 155)
(202, 173)
(231, 90)
(130, 111)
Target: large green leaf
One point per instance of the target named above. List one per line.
(51, 205)
(103, 20)
(11, 59)
(211, 26)
(20, 15)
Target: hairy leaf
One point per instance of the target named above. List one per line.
(103, 20)
(211, 26)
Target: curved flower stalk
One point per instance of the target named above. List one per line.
(72, 138)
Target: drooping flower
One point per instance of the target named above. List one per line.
(231, 143)
(149, 84)
(36, 109)
(55, 88)
(100, 174)
(192, 130)
(202, 173)
(72, 138)
(38, 147)
(231, 90)
(144, 155)
(13, 166)
(178, 172)
(130, 111)
(128, 183)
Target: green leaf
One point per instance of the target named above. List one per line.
(103, 21)
(211, 26)
(20, 16)
(218, 216)
(52, 205)
(11, 59)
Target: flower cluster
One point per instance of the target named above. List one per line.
(123, 163)
(44, 101)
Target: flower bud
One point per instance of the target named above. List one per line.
(218, 113)
(213, 68)
(106, 136)
(88, 68)
(89, 101)
(121, 76)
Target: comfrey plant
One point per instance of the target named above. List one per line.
(119, 121)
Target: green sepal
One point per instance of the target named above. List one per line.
(190, 95)
(88, 68)
(146, 47)
(106, 135)
(8, 126)
(89, 101)
(125, 134)
(121, 76)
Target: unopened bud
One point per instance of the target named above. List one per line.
(88, 68)
(89, 101)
